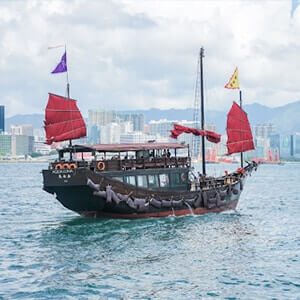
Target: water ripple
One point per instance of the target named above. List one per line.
(48, 252)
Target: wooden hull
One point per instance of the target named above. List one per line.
(77, 190)
(169, 213)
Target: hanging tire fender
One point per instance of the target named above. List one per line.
(115, 197)
(198, 201)
(155, 203)
(205, 199)
(229, 190)
(101, 194)
(219, 200)
(130, 203)
(212, 202)
(108, 194)
(93, 185)
(166, 203)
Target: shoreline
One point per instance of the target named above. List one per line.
(24, 161)
(49, 160)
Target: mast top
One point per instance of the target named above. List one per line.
(202, 52)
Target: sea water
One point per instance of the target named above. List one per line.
(48, 252)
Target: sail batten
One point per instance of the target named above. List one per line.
(238, 129)
(63, 120)
(60, 123)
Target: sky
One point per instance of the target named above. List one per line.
(127, 55)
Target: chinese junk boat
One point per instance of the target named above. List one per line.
(139, 180)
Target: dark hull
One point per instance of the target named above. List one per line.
(77, 190)
(159, 214)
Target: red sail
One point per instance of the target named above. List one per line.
(210, 135)
(63, 120)
(238, 131)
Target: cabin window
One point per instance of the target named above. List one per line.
(164, 180)
(175, 179)
(130, 180)
(142, 181)
(118, 178)
(142, 154)
(153, 181)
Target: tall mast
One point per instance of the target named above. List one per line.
(199, 95)
(202, 109)
(196, 116)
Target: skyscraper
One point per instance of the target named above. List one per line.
(137, 119)
(25, 129)
(2, 118)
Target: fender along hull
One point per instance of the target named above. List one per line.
(175, 213)
(110, 200)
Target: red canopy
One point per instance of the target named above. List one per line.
(210, 135)
(238, 131)
(63, 120)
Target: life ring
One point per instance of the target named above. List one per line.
(66, 166)
(73, 166)
(101, 165)
(58, 166)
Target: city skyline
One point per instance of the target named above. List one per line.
(144, 54)
(109, 127)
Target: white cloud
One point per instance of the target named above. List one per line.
(142, 54)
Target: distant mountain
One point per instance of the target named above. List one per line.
(285, 118)
(35, 119)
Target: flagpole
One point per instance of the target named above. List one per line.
(68, 84)
(242, 158)
(68, 96)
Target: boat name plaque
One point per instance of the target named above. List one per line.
(63, 171)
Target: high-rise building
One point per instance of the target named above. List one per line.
(22, 144)
(98, 118)
(126, 127)
(285, 143)
(137, 119)
(262, 145)
(297, 145)
(264, 130)
(94, 134)
(162, 127)
(110, 133)
(140, 137)
(101, 117)
(5, 144)
(25, 129)
(16, 144)
(2, 118)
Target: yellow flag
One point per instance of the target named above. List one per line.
(233, 82)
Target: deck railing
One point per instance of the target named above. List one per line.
(116, 164)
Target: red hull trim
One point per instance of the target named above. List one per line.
(177, 213)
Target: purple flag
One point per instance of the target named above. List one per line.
(62, 66)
